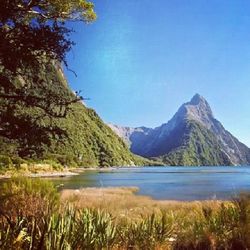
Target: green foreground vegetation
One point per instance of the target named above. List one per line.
(32, 216)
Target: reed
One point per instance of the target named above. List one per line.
(71, 225)
(124, 204)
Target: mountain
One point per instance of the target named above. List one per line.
(126, 132)
(89, 141)
(192, 137)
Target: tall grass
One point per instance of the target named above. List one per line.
(149, 233)
(85, 229)
(65, 227)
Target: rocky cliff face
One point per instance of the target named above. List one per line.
(126, 132)
(192, 137)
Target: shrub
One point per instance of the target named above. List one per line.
(25, 197)
(149, 233)
(63, 160)
(17, 161)
(72, 229)
(5, 162)
(94, 230)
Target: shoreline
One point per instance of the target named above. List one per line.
(51, 174)
(122, 191)
(39, 175)
(67, 172)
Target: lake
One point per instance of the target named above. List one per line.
(168, 183)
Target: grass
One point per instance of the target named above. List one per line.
(123, 203)
(33, 216)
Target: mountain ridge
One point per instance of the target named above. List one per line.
(196, 118)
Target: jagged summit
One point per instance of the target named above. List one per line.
(197, 99)
(199, 110)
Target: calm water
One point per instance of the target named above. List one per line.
(177, 183)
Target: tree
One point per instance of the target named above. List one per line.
(34, 28)
(34, 38)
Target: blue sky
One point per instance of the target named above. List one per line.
(142, 59)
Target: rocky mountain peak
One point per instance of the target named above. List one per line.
(197, 99)
(199, 103)
(196, 109)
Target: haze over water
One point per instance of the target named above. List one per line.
(169, 183)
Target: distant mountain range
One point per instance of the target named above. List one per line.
(192, 137)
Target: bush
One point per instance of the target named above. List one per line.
(55, 165)
(72, 229)
(149, 233)
(5, 162)
(63, 160)
(17, 161)
(26, 197)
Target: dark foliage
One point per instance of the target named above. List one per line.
(32, 36)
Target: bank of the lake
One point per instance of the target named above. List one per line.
(168, 183)
(160, 183)
(51, 174)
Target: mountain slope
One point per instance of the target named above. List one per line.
(89, 141)
(196, 146)
(192, 137)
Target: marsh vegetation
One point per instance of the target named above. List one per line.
(34, 215)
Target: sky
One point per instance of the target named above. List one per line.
(141, 59)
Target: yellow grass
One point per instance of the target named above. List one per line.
(123, 203)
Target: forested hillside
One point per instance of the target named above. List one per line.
(79, 138)
(40, 117)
